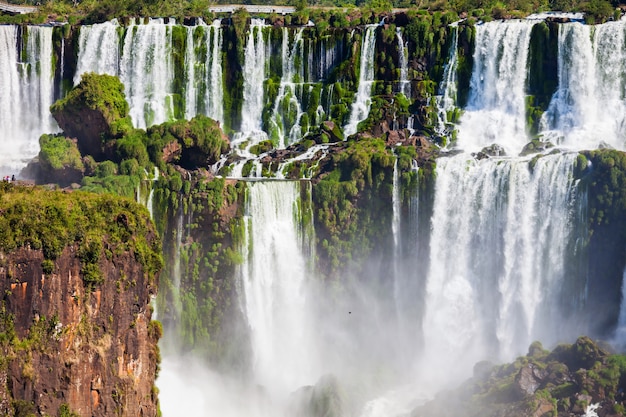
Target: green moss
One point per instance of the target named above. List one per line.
(58, 152)
(51, 221)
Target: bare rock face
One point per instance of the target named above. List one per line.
(91, 350)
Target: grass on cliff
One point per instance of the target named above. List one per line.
(95, 224)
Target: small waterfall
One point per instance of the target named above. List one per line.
(253, 77)
(362, 101)
(446, 99)
(254, 73)
(144, 65)
(506, 224)
(274, 282)
(98, 49)
(214, 97)
(589, 106)
(287, 112)
(405, 85)
(497, 108)
(26, 89)
(147, 73)
(191, 90)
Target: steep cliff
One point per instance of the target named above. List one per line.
(77, 274)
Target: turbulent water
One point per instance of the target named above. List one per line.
(26, 93)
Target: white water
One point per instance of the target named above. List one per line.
(589, 107)
(405, 85)
(496, 111)
(254, 70)
(446, 99)
(26, 93)
(287, 112)
(507, 227)
(275, 290)
(363, 99)
(98, 47)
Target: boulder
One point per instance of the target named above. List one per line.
(535, 146)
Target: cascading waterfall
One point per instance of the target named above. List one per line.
(501, 292)
(589, 106)
(254, 73)
(215, 89)
(404, 84)
(147, 73)
(446, 99)
(203, 74)
(99, 49)
(496, 112)
(144, 65)
(362, 101)
(27, 94)
(287, 112)
(274, 285)
(254, 70)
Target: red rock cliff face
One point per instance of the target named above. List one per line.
(93, 350)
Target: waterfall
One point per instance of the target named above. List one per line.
(274, 285)
(203, 75)
(98, 49)
(506, 223)
(214, 97)
(362, 101)
(446, 99)
(589, 106)
(395, 229)
(147, 73)
(26, 93)
(144, 65)
(620, 332)
(405, 85)
(287, 112)
(191, 90)
(253, 77)
(496, 108)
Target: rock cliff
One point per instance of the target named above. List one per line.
(71, 344)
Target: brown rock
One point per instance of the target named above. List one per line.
(83, 334)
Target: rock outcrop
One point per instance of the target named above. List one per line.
(70, 343)
(564, 382)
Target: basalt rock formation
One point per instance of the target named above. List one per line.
(76, 336)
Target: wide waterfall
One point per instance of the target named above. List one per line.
(362, 101)
(27, 88)
(496, 112)
(506, 223)
(589, 107)
(475, 261)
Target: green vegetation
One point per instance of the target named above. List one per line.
(561, 382)
(58, 152)
(95, 224)
(349, 203)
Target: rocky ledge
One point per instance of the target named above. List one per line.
(572, 380)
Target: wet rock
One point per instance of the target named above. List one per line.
(536, 146)
(490, 151)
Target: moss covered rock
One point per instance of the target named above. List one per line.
(94, 111)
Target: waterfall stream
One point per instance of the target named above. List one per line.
(27, 92)
(362, 101)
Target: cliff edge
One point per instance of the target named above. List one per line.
(77, 274)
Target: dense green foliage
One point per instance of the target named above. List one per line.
(349, 203)
(58, 152)
(607, 188)
(100, 92)
(96, 224)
